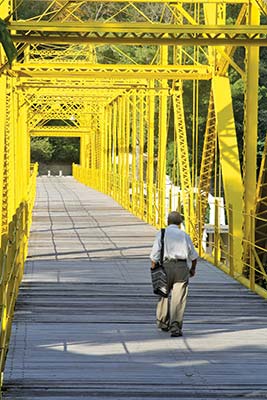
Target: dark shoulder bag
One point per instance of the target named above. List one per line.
(158, 274)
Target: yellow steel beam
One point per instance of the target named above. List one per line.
(59, 133)
(262, 6)
(225, 53)
(104, 71)
(229, 51)
(83, 154)
(183, 154)
(161, 184)
(134, 158)
(150, 152)
(138, 33)
(2, 137)
(229, 157)
(250, 129)
(207, 160)
(261, 210)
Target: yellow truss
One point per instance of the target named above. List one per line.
(125, 112)
(138, 33)
(261, 213)
(103, 71)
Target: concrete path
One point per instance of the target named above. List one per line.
(84, 323)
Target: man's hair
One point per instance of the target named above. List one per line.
(174, 218)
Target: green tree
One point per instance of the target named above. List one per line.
(41, 149)
(65, 149)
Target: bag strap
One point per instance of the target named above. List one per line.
(162, 246)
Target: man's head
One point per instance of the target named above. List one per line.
(174, 218)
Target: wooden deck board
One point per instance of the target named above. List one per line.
(84, 326)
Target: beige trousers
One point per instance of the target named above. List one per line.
(170, 311)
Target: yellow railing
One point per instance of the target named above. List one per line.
(215, 242)
(132, 194)
(13, 253)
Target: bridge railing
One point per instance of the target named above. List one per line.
(13, 252)
(216, 242)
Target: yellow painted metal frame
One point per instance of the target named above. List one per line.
(13, 253)
(123, 113)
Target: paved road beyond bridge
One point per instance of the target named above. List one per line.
(84, 323)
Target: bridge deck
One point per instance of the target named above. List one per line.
(84, 322)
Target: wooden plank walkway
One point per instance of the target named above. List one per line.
(84, 323)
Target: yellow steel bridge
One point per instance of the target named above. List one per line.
(123, 114)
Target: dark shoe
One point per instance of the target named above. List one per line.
(165, 329)
(177, 333)
(163, 326)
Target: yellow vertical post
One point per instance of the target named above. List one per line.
(127, 148)
(229, 157)
(119, 139)
(251, 252)
(5, 96)
(123, 155)
(183, 156)
(114, 149)
(216, 233)
(2, 136)
(134, 115)
(162, 141)
(93, 157)
(231, 240)
(27, 147)
(11, 132)
(22, 149)
(250, 126)
(89, 155)
(19, 133)
(103, 146)
(150, 151)
(87, 142)
(82, 151)
(141, 155)
(199, 224)
(85, 157)
(109, 149)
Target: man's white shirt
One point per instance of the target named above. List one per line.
(177, 245)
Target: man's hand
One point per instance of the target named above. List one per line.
(153, 264)
(192, 271)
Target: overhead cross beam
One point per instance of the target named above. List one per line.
(104, 71)
(138, 33)
(59, 132)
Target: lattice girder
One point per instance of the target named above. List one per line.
(261, 211)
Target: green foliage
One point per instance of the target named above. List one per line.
(170, 160)
(8, 45)
(41, 149)
(29, 9)
(55, 149)
(122, 54)
(65, 149)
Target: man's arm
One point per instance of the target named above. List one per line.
(193, 268)
(155, 253)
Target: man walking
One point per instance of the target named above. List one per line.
(180, 259)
